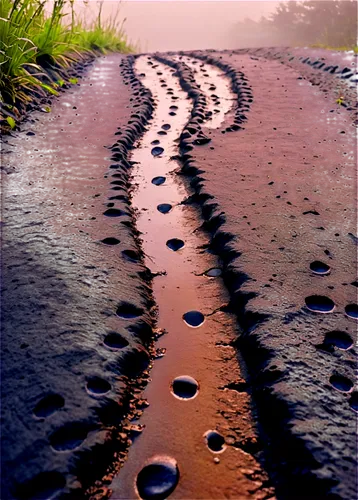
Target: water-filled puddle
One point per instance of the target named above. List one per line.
(158, 181)
(98, 386)
(48, 405)
(194, 318)
(175, 244)
(338, 339)
(114, 212)
(341, 383)
(158, 479)
(114, 340)
(320, 267)
(157, 151)
(215, 272)
(164, 208)
(319, 303)
(126, 310)
(110, 241)
(215, 441)
(352, 311)
(185, 387)
(353, 401)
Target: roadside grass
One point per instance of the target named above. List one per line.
(37, 43)
(340, 49)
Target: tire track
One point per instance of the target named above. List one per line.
(274, 371)
(192, 386)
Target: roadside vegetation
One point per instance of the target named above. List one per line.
(40, 41)
(330, 24)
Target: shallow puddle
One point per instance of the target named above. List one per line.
(179, 414)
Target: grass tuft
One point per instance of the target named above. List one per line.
(37, 42)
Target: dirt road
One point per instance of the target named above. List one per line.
(187, 220)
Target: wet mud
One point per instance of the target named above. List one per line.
(186, 398)
(205, 200)
(268, 230)
(76, 324)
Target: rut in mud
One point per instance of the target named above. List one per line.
(267, 154)
(185, 434)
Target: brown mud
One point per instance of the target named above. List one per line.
(75, 304)
(279, 195)
(265, 385)
(173, 426)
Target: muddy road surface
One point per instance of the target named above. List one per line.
(179, 281)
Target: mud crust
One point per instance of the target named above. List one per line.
(294, 463)
(128, 135)
(321, 69)
(105, 421)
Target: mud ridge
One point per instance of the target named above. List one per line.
(189, 85)
(239, 85)
(321, 69)
(107, 460)
(288, 456)
(74, 427)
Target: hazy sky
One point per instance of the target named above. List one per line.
(184, 24)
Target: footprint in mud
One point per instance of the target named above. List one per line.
(162, 132)
(115, 340)
(45, 485)
(352, 311)
(215, 441)
(48, 405)
(155, 142)
(319, 303)
(201, 141)
(158, 479)
(173, 108)
(130, 255)
(110, 241)
(214, 272)
(338, 339)
(194, 318)
(172, 113)
(166, 126)
(185, 387)
(158, 181)
(114, 212)
(175, 244)
(157, 151)
(69, 437)
(353, 401)
(320, 268)
(126, 310)
(164, 208)
(341, 383)
(97, 386)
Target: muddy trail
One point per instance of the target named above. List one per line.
(179, 283)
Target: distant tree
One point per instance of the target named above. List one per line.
(327, 22)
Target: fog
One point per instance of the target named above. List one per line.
(174, 25)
